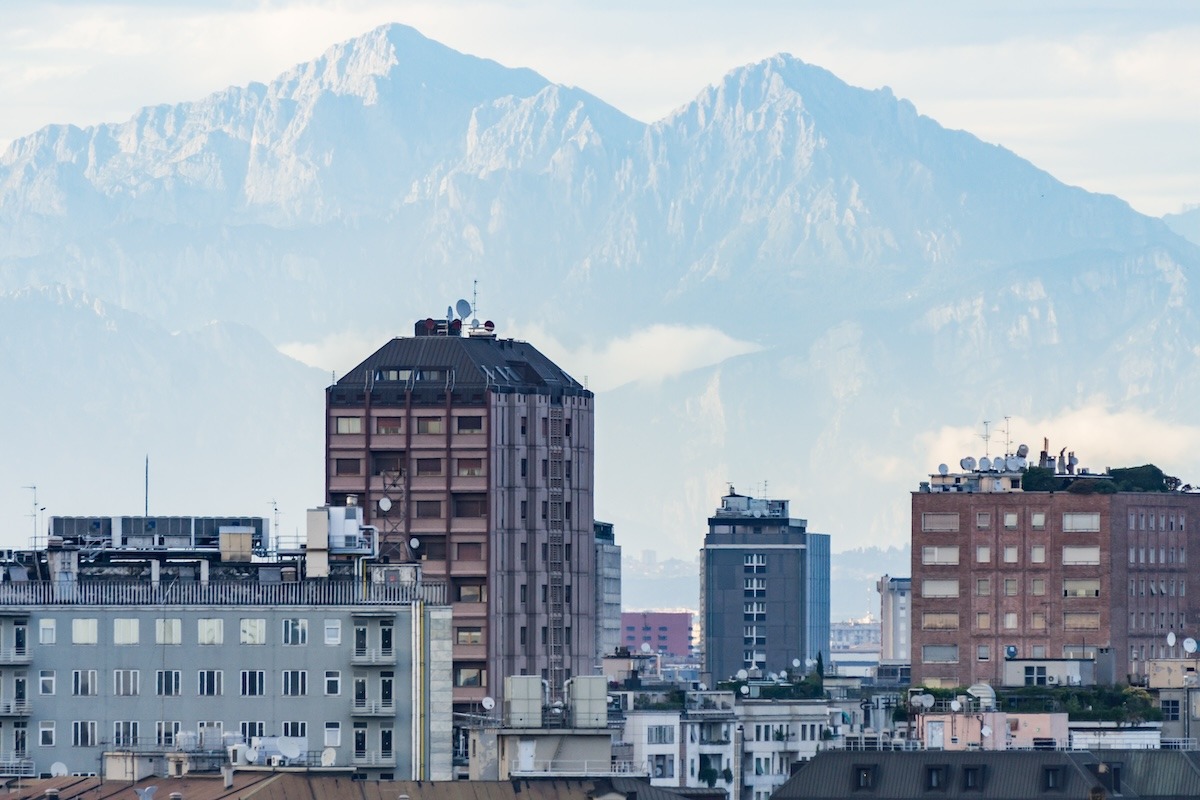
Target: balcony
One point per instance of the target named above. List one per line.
(372, 758)
(14, 656)
(562, 768)
(16, 765)
(14, 708)
(373, 656)
(374, 708)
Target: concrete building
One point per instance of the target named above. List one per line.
(895, 601)
(608, 589)
(473, 455)
(173, 639)
(1015, 562)
(668, 633)
(764, 587)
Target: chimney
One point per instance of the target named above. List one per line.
(227, 775)
(52, 794)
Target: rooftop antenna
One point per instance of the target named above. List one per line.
(986, 436)
(1007, 440)
(275, 509)
(146, 512)
(33, 512)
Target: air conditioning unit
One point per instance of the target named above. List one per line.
(1051, 680)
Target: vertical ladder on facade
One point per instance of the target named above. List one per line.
(556, 555)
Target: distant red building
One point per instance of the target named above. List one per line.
(667, 632)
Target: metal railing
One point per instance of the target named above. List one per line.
(373, 655)
(585, 767)
(14, 708)
(16, 765)
(373, 758)
(305, 592)
(15, 655)
(374, 707)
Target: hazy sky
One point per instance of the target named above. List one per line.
(1102, 95)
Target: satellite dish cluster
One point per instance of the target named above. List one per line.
(1014, 462)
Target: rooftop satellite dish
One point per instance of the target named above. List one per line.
(1171, 639)
(808, 662)
(414, 542)
(985, 463)
(771, 676)
(795, 662)
(463, 308)
(385, 504)
(1189, 645)
(702, 687)
(143, 794)
(1010, 651)
(1012, 463)
(915, 701)
(955, 705)
(58, 769)
(943, 469)
(488, 703)
(252, 755)
(1022, 451)
(742, 674)
(962, 463)
(1022, 462)
(970, 462)
(328, 757)
(783, 674)
(645, 647)
(757, 512)
(985, 731)
(745, 690)
(927, 700)
(290, 747)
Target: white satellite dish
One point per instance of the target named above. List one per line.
(757, 512)
(1022, 450)
(955, 705)
(58, 769)
(1022, 463)
(970, 463)
(1012, 463)
(290, 747)
(702, 687)
(783, 674)
(915, 701)
(328, 757)
(771, 676)
(385, 504)
(414, 542)
(985, 463)
(1189, 645)
(488, 703)
(742, 674)
(927, 700)
(645, 647)
(985, 731)
(745, 690)
(943, 469)
(796, 662)
(251, 755)
(463, 308)
(1171, 639)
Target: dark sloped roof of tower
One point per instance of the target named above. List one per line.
(476, 362)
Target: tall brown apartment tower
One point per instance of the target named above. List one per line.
(473, 455)
(1074, 569)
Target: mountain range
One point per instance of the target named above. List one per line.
(789, 284)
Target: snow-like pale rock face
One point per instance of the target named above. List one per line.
(882, 278)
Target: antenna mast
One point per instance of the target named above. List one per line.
(33, 513)
(1007, 438)
(986, 436)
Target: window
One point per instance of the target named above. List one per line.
(166, 682)
(470, 505)
(470, 424)
(936, 777)
(468, 635)
(470, 676)
(253, 683)
(1076, 522)
(983, 620)
(1010, 554)
(295, 632)
(864, 777)
(939, 621)
(1037, 586)
(983, 554)
(295, 683)
(1037, 620)
(428, 509)
(83, 733)
(947, 554)
(252, 631)
(660, 734)
(939, 588)
(663, 766)
(46, 733)
(1089, 587)
(210, 630)
(939, 654)
(348, 425)
(389, 426)
(125, 733)
(298, 729)
(1037, 520)
(46, 679)
(125, 631)
(469, 551)
(1077, 554)
(973, 777)
(333, 734)
(427, 425)
(333, 682)
(47, 633)
(1010, 587)
(1077, 621)
(472, 593)
(1010, 520)
(470, 467)
(209, 683)
(347, 466)
(1037, 554)
(1010, 620)
(983, 652)
(84, 631)
(333, 631)
(83, 683)
(983, 587)
(933, 521)
(166, 732)
(1034, 676)
(429, 466)
(1053, 777)
(983, 520)
(126, 682)
(1170, 710)
(168, 631)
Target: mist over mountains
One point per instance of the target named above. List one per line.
(877, 285)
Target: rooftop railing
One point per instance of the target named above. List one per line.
(216, 593)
